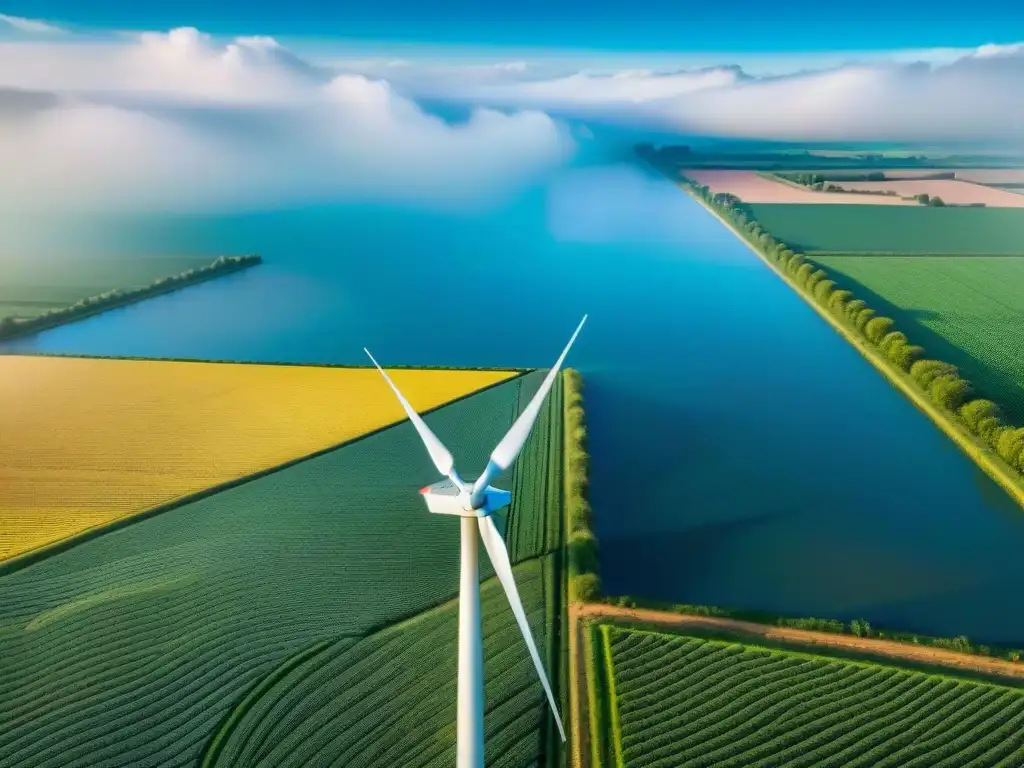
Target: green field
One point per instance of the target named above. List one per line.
(964, 311)
(30, 287)
(894, 228)
(688, 701)
(135, 648)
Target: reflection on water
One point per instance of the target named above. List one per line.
(743, 454)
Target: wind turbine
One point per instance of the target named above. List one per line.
(474, 504)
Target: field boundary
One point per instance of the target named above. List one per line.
(32, 556)
(809, 639)
(970, 445)
(284, 364)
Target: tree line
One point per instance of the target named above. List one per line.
(584, 582)
(941, 382)
(16, 326)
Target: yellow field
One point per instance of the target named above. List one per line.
(84, 442)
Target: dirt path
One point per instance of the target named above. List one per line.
(887, 648)
(579, 719)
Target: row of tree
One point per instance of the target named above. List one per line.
(818, 182)
(940, 381)
(584, 582)
(17, 326)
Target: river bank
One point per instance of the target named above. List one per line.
(1007, 479)
(12, 327)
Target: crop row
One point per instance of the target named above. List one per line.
(737, 705)
(965, 311)
(132, 647)
(389, 699)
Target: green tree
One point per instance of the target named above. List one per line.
(853, 307)
(1011, 446)
(816, 277)
(803, 273)
(973, 412)
(905, 355)
(949, 391)
(582, 548)
(862, 319)
(936, 202)
(837, 301)
(923, 198)
(823, 290)
(989, 428)
(794, 264)
(893, 337)
(924, 372)
(585, 588)
(877, 328)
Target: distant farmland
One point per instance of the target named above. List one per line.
(31, 286)
(84, 442)
(687, 701)
(964, 311)
(950, 191)
(894, 229)
(141, 646)
(752, 187)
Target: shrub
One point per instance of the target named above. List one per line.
(583, 551)
(893, 337)
(823, 290)
(585, 587)
(975, 411)
(877, 328)
(853, 307)
(925, 372)
(1010, 446)
(905, 355)
(837, 301)
(949, 391)
(803, 273)
(863, 318)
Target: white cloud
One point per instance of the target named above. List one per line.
(179, 121)
(975, 95)
(29, 26)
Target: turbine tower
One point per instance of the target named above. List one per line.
(475, 503)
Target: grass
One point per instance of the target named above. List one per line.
(389, 698)
(31, 286)
(135, 647)
(968, 312)
(894, 229)
(88, 442)
(691, 701)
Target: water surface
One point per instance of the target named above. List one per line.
(743, 453)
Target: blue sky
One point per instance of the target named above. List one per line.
(740, 26)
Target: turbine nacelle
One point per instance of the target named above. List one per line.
(446, 498)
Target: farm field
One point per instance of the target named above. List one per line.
(950, 190)
(134, 647)
(84, 442)
(691, 701)
(32, 286)
(966, 311)
(751, 187)
(993, 175)
(915, 229)
(389, 699)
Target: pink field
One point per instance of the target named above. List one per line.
(749, 187)
(953, 192)
(993, 175)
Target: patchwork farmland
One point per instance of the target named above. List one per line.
(968, 311)
(166, 641)
(136, 434)
(674, 700)
(888, 229)
(951, 191)
(752, 187)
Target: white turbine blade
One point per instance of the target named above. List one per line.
(440, 455)
(512, 443)
(495, 547)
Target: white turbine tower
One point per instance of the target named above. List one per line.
(475, 503)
